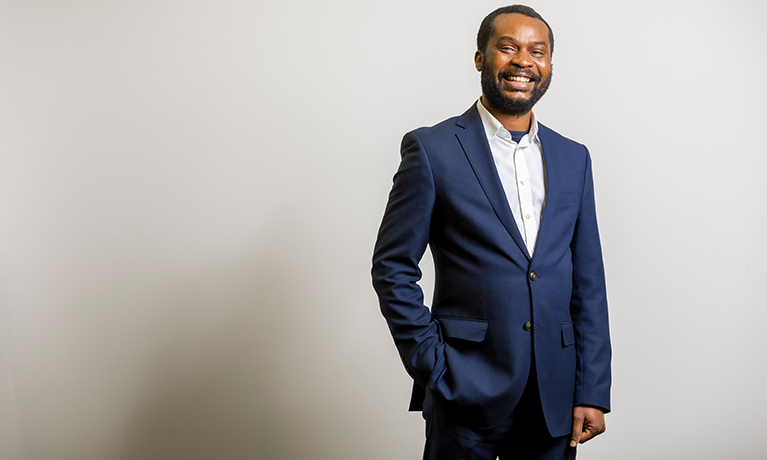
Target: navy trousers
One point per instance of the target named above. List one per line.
(522, 436)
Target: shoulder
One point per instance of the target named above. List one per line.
(544, 132)
(444, 131)
(441, 129)
(551, 139)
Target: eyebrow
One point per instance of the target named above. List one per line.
(514, 40)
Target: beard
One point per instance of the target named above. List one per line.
(492, 89)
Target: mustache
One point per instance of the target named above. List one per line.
(519, 72)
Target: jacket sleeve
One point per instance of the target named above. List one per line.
(402, 240)
(588, 305)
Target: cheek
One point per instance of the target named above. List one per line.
(495, 62)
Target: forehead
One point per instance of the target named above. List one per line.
(520, 27)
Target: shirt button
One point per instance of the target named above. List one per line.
(533, 276)
(527, 326)
(521, 182)
(527, 216)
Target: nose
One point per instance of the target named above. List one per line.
(521, 59)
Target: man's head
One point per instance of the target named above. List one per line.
(514, 46)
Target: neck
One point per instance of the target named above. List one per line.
(510, 122)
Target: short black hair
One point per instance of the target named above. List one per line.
(486, 28)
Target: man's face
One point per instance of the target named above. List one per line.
(516, 66)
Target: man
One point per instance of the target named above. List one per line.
(513, 360)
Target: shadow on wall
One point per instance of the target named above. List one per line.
(229, 373)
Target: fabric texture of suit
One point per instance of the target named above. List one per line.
(472, 350)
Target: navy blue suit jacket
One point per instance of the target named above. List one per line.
(472, 350)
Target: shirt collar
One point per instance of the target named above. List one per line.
(493, 126)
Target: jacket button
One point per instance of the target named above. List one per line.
(527, 326)
(533, 276)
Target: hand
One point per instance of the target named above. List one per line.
(587, 423)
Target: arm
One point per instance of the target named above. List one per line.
(588, 309)
(401, 243)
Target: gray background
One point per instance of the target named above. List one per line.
(190, 193)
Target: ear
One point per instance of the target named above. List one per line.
(478, 60)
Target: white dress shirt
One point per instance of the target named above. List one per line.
(520, 168)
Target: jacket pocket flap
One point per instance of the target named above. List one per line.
(473, 330)
(568, 335)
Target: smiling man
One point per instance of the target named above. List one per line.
(513, 359)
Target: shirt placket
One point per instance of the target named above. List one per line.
(525, 194)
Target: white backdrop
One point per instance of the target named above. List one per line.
(190, 193)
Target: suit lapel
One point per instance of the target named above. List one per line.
(552, 168)
(473, 140)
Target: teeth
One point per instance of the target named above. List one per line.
(520, 79)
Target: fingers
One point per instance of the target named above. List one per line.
(589, 431)
(575, 437)
(587, 423)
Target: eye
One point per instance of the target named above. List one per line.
(538, 53)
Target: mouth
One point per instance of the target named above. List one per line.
(518, 79)
(517, 82)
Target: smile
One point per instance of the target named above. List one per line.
(519, 79)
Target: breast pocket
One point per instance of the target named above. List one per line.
(568, 335)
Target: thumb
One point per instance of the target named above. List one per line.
(575, 437)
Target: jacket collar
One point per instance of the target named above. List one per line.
(473, 140)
